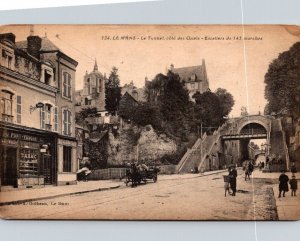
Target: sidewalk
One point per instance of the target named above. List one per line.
(288, 208)
(27, 195)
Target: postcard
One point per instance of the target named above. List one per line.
(150, 122)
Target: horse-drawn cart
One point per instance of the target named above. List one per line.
(141, 173)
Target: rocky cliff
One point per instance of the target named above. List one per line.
(132, 143)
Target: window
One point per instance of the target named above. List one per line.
(88, 86)
(100, 85)
(97, 85)
(6, 106)
(66, 85)
(46, 117)
(55, 119)
(7, 59)
(67, 161)
(67, 122)
(19, 106)
(48, 77)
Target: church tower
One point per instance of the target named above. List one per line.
(93, 93)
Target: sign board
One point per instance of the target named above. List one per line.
(39, 105)
(43, 150)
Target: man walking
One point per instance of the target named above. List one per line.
(283, 183)
(232, 176)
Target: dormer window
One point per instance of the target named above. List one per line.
(47, 75)
(7, 59)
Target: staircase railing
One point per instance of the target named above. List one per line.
(189, 151)
(204, 154)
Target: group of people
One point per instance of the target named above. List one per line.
(284, 182)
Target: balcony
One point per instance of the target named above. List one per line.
(7, 118)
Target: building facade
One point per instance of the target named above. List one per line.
(37, 125)
(194, 77)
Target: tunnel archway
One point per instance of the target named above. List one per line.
(252, 129)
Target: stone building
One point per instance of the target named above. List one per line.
(93, 92)
(194, 77)
(37, 125)
(137, 93)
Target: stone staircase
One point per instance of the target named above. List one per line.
(196, 156)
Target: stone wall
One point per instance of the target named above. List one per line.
(152, 146)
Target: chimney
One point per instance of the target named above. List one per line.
(34, 45)
(8, 36)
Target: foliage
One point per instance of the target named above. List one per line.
(226, 101)
(127, 106)
(84, 113)
(283, 83)
(112, 91)
(211, 109)
(169, 110)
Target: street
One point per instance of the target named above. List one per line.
(176, 197)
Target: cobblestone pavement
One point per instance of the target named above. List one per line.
(199, 198)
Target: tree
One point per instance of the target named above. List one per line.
(84, 113)
(169, 95)
(208, 109)
(283, 83)
(226, 101)
(146, 114)
(112, 91)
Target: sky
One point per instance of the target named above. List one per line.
(232, 63)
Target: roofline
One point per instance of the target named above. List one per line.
(61, 54)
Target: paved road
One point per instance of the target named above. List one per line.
(195, 198)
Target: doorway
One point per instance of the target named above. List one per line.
(9, 175)
(47, 169)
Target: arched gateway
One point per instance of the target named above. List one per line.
(230, 143)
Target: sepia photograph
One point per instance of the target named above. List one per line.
(150, 122)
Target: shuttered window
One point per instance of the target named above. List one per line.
(67, 122)
(42, 118)
(67, 85)
(19, 109)
(55, 119)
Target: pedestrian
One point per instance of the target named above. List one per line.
(251, 168)
(262, 165)
(232, 176)
(293, 185)
(283, 183)
(247, 172)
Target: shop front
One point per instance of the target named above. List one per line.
(27, 156)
